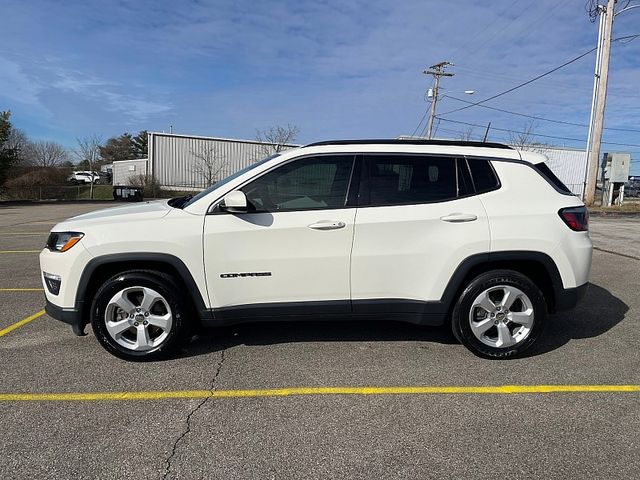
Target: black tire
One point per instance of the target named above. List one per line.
(163, 284)
(461, 324)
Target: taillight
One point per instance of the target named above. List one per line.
(576, 218)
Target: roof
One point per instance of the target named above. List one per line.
(411, 141)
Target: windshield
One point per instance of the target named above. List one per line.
(224, 181)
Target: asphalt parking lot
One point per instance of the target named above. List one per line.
(458, 421)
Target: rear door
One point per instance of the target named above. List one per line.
(417, 220)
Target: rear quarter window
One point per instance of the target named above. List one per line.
(544, 170)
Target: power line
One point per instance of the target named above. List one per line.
(420, 123)
(541, 118)
(535, 134)
(536, 78)
(522, 84)
(503, 77)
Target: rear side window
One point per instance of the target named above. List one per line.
(410, 179)
(544, 170)
(484, 177)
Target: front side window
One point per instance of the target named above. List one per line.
(410, 179)
(310, 183)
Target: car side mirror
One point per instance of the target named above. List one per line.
(234, 202)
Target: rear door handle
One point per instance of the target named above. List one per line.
(327, 225)
(459, 217)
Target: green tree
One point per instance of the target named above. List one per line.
(141, 144)
(9, 154)
(118, 148)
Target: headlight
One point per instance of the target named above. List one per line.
(63, 241)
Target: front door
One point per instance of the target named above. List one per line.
(290, 253)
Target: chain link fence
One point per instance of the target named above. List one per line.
(57, 192)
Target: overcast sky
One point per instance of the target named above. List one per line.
(335, 69)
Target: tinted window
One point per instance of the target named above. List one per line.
(409, 179)
(484, 177)
(546, 172)
(465, 184)
(309, 183)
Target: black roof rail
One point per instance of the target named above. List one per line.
(411, 141)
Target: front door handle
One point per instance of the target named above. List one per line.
(327, 225)
(459, 217)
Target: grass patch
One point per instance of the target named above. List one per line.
(100, 192)
(629, 206)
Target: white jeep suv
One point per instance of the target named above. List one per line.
(477, 236)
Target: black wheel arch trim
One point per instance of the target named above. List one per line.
(78, 316)
(456, 283)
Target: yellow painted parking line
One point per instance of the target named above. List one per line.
(21, 289)
(315, 391)
(22, 322)
(20, 251)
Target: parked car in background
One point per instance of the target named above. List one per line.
(83, 176)
(632, 189)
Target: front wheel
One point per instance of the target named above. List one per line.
(139, 315)
(500, 314)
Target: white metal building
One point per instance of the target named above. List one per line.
(176, 161)
(125, 171)
(180, 161)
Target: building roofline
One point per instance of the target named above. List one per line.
(220, 139)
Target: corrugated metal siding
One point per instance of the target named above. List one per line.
(174, 160)
(174, 163)
(122, 173)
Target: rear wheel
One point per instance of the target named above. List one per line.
(499, 315)
(139, 315)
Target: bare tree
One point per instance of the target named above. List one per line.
(88, 151)
(43, 153)
(209, 164)
(277, 138)
(17, 140)
(467, 135)
(525, 139)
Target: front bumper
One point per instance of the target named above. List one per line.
(71, 316)
(568, 298)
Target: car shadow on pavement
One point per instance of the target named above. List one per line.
(598, 312)
(272, 333)
(595, 314)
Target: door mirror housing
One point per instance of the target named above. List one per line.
(234, 202)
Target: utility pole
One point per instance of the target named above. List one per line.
(593, 158)
(436, 71)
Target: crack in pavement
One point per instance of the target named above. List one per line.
(167, 467)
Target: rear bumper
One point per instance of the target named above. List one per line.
(568, 298)
(71, 316)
